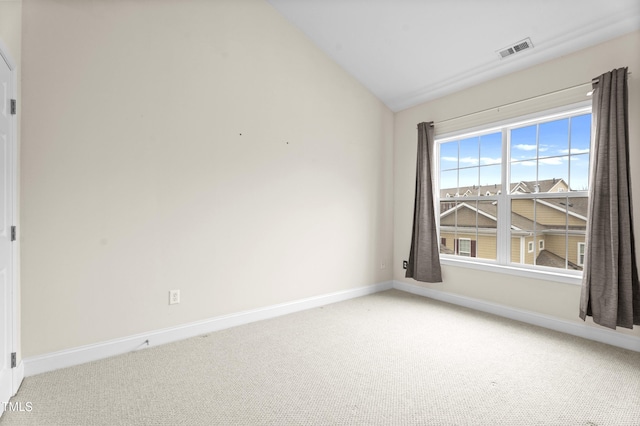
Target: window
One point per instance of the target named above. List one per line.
(581, 247)
(464, 245)
(516, 184)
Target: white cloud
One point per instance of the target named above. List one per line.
(468, 160)
(489, 160)
(463, 160)
(551, 161)
(525, 147)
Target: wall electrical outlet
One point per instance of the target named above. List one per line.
(174, 297)
(405, 264)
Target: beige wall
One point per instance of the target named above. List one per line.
(11, 26)
(193, 145)
(546, 297)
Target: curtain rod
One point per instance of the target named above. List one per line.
(595, 80)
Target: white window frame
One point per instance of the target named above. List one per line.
(530, 247)
(540, 245)
(503, 264)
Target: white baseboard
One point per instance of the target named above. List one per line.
(584, 330)
(83, 354)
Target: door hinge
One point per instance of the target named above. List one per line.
(13, 106)
(13, 360)
(13, 233)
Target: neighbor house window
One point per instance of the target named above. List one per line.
(464, 247)
(581, 247)
(516, 184)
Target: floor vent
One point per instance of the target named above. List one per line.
(515, 48)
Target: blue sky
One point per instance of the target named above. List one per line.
(560, 151)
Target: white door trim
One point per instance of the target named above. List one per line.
(12, 175)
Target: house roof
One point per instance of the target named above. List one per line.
(576, 205)
(470, 190)
(491, 210)
(527, 187)
(546, 258)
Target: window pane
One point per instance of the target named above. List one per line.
(553, 138)
(523, 230)
(551, 217)
(580, 134)
(580, 144)
(466, 219)
(579, 178)
(523, 143)
(469, 153)
(548, 231)
(491, 148)
(577, 230)
(486, 247)
(448, 219)
(449, 155)
(490, 179)
(469, 181)
(550, 171)
(515, 249)
(448, 183)
(523, 171)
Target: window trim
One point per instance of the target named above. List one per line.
(530, 247)
(501, 264)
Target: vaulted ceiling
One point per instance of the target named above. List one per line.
(411, 51)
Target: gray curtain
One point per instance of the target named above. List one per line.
(610, 289)
(424, 255)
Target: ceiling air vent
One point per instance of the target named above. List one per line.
(515, 48)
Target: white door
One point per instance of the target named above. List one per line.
(6, 217)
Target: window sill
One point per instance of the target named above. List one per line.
(562, 277)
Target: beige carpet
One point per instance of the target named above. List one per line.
(386, 359)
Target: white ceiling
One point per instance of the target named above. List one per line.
(411, 51)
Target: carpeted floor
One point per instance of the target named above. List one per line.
(387, 359)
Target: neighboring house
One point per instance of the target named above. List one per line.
(545, 231)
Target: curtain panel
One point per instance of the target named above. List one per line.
(610, 288)
(424, 254)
